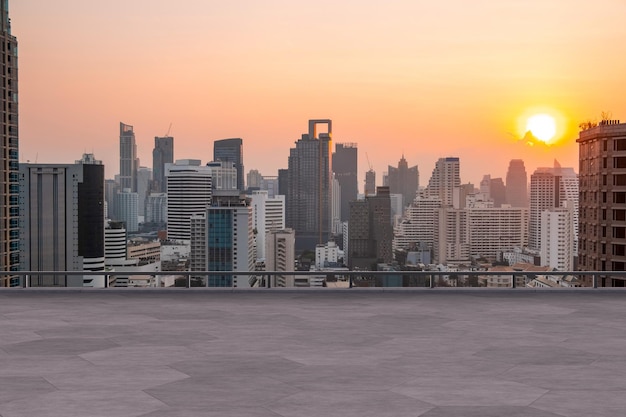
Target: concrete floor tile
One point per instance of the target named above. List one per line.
(213, 411)
(343, 377)
(567, 377)
(18, 387)
(469, 391)
(494, 411)
(82, 404)
(584, 403)
(140, 355)
(61, 346)
(349, 404)
(102, 378)
(233, 364)
(250, 391)
(537, 355)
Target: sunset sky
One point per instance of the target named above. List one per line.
(426, 79)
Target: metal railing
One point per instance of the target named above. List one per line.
(341, 279)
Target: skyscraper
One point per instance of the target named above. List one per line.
(345, 169)
(445, 177)
(517, 184)
(189, 192)
(370, 182)
(129, 164)
(309, 179)
(370, 232)
(163, 153)
(602, 242)
(9, 159)
(62, 221)
(550, 188)
(222, 240)
(404, 180)
(231, 150)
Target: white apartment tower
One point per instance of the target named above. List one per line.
(445, 177)
(551, 188)
(189, 191)
(418, 224)
(557, 238)
(280, 255)
(268, 214)
(222, 239)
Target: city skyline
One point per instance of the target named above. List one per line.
(421, 79)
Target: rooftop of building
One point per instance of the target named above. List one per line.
(272, 353)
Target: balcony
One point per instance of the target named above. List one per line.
(315, 352)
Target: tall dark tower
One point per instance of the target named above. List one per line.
(162, 154)
(129, 164)
(231, 150)
(404, 180)
(9, 159)
(345, 169)
(309, 190)
(517, 184)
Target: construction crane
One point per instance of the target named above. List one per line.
(168, 130)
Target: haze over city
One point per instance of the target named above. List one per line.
(425, 79)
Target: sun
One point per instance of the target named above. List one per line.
(542, 126)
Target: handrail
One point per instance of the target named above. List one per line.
(350, 275)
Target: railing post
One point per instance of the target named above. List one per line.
(513, 283)
(595, 280)
(432, 281)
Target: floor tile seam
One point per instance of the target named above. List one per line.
(165, 405)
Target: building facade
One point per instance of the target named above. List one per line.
(345, 168)
(129, 163)
(445, 177)
(163, 153)
(231, 150)
(516, 184)
(62, 222)
(9, 158)
(602, 221)
(189, 191)
(403, 180)
(309, 187)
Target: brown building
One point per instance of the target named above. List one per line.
(602, 211)
(370, 232)
(9, 161)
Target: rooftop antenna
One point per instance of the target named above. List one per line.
(168, 130)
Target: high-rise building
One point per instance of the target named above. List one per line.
(222, 239)
(163, 153)
(309, 187)
(224, 176)
(418, 225)
(268, 214)
(280, 256)
(129, 164)
(231, 150)
(550, 188)
(493, 189)
(127, 209)
(517, 184)
(253, 179)
(144, 179)
(9, 158)
(62, 221)
(370, 182)
(156, 208)
(270, 184)
(557, 238)
(404, 180)
(345, 169)
(370, 231)
(189, 190)
(602, 239)
(445, 177)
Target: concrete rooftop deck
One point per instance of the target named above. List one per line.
(335, 353)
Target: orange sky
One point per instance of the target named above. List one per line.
(425, 78)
